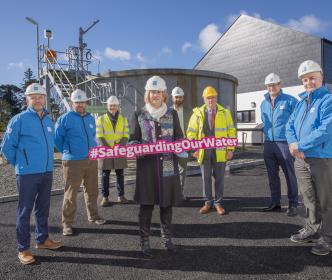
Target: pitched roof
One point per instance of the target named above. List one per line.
(252, 48)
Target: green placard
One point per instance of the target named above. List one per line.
(97, 109)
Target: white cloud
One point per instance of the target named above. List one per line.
(117, 54)
(63, 56)
(140, 57)
(308, 24)
(208, 36)
(272, 20)
(98, 55)
(19, 65)
(166, 51)
(232, 17)
(185, 47)
(143, 61)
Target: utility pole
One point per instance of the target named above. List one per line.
(83, 45)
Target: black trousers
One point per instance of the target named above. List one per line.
(106, 182)
(144, 219)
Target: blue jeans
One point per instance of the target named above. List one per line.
(277, 154)
(34, 192)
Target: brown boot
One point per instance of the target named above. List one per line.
(26, 257)
(220, 210)
(122, 199)
(205, 209)
(105, 202)
(49, 244)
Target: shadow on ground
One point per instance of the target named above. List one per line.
(213, 259)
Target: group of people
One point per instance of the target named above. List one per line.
(293, 130)
(298, 137)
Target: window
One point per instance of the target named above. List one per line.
(246, 116)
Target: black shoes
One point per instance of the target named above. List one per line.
(291, 211)
(169, 245)
(272, 207)
(146, 249)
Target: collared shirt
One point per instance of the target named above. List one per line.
(209, 113)
(180, 114)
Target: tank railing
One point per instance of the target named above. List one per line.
(102, 93)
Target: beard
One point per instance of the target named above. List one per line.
(178, 103)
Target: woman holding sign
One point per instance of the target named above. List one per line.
(157, 175)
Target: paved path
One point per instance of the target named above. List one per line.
(245, 244)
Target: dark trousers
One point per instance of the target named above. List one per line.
(106, 182)
(277, 154)
(34, 193)
(144, 219)
(210, 167)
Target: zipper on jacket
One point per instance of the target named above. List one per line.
(86, 133)
(47, 150)
(305, 114)
(302, 121)
(272, 122)
(26, 156)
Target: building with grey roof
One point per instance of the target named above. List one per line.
(252, 48)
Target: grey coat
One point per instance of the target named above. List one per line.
(157, 175)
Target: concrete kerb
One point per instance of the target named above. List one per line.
(253, 163)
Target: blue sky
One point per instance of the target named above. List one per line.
(141, 34)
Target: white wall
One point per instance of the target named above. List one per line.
(244, 101)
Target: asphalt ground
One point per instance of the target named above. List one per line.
(245, 244)
(252, 155)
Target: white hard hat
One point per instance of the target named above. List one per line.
(272, 79)
(177, 91)
(155, 83)
(308, 66)
(35, 88)
(113, 100)
(78, 96)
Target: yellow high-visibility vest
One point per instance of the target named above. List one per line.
(104, 129)
(223, 127)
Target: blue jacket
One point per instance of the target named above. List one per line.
(29, 142)
(75, 135)
(310, 126)
(275, 120)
